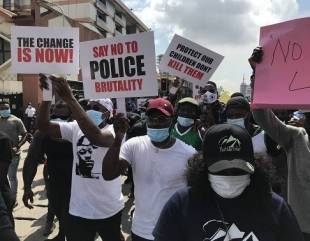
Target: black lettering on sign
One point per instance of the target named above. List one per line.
(290, 52)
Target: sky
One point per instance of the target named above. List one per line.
(228, 27)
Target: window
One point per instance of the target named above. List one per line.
(7, 4)
(103, 2)
(118, 14)
(5, 51)
(103, 32)
(102, 16)
(118, 28)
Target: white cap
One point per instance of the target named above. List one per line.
(107, 103)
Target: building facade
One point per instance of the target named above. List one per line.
(246, 90)
(95, 19)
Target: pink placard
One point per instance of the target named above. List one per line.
(283, 78)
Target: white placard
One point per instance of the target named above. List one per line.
(189, 61)
(119, 67)
(44, 50)
(121, 105)
(48, 93)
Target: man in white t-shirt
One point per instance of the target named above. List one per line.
(29, 116)
(158, 162)
(95, 204)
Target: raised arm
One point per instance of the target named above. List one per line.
(113, 165)
(43, 118)
(91, 131)
(275, 128)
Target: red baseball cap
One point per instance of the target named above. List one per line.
(161, 104)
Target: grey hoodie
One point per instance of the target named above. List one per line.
(295, 141)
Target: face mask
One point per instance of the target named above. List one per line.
(238, 122)
(158, 135)
(229, 186)
(209, 97)
(186, 122)
(95, 116)
(5, 113)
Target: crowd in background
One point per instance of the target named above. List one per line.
(199, 170)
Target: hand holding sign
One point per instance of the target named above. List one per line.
(46, 86)
(256, 57)
(121, 125)
(62, 88)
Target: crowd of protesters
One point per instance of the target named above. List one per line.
(201, 170)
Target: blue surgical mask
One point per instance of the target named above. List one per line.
(238, 122)
(95, 116)
(5, 113)
(158, 135)
(186, 122)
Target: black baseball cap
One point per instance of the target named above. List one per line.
(228, 146)
(238, 102)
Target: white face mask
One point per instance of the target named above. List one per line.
(229, 186)
(209, 97)
(238, 122)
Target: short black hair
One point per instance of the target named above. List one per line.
(236, 94)
(238, 102)
(212, 83)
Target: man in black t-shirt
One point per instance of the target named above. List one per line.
(59, 165)
(6, 197)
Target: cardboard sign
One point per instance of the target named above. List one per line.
(283, 78)
(119, 67)
(45, 50)
(189, 61)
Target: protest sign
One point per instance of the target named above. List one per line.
(189, 61)
(282, 79)
(119, 67)
(121, 105)
(44, 50)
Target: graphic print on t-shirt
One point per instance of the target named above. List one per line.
(86, 163)
(218, 230)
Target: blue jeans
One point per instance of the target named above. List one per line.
(12, 174)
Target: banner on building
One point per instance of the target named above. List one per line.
(189, 61)
(282, 79)
(119, 67)
(44, 50)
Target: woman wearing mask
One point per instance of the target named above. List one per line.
(228, 198)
